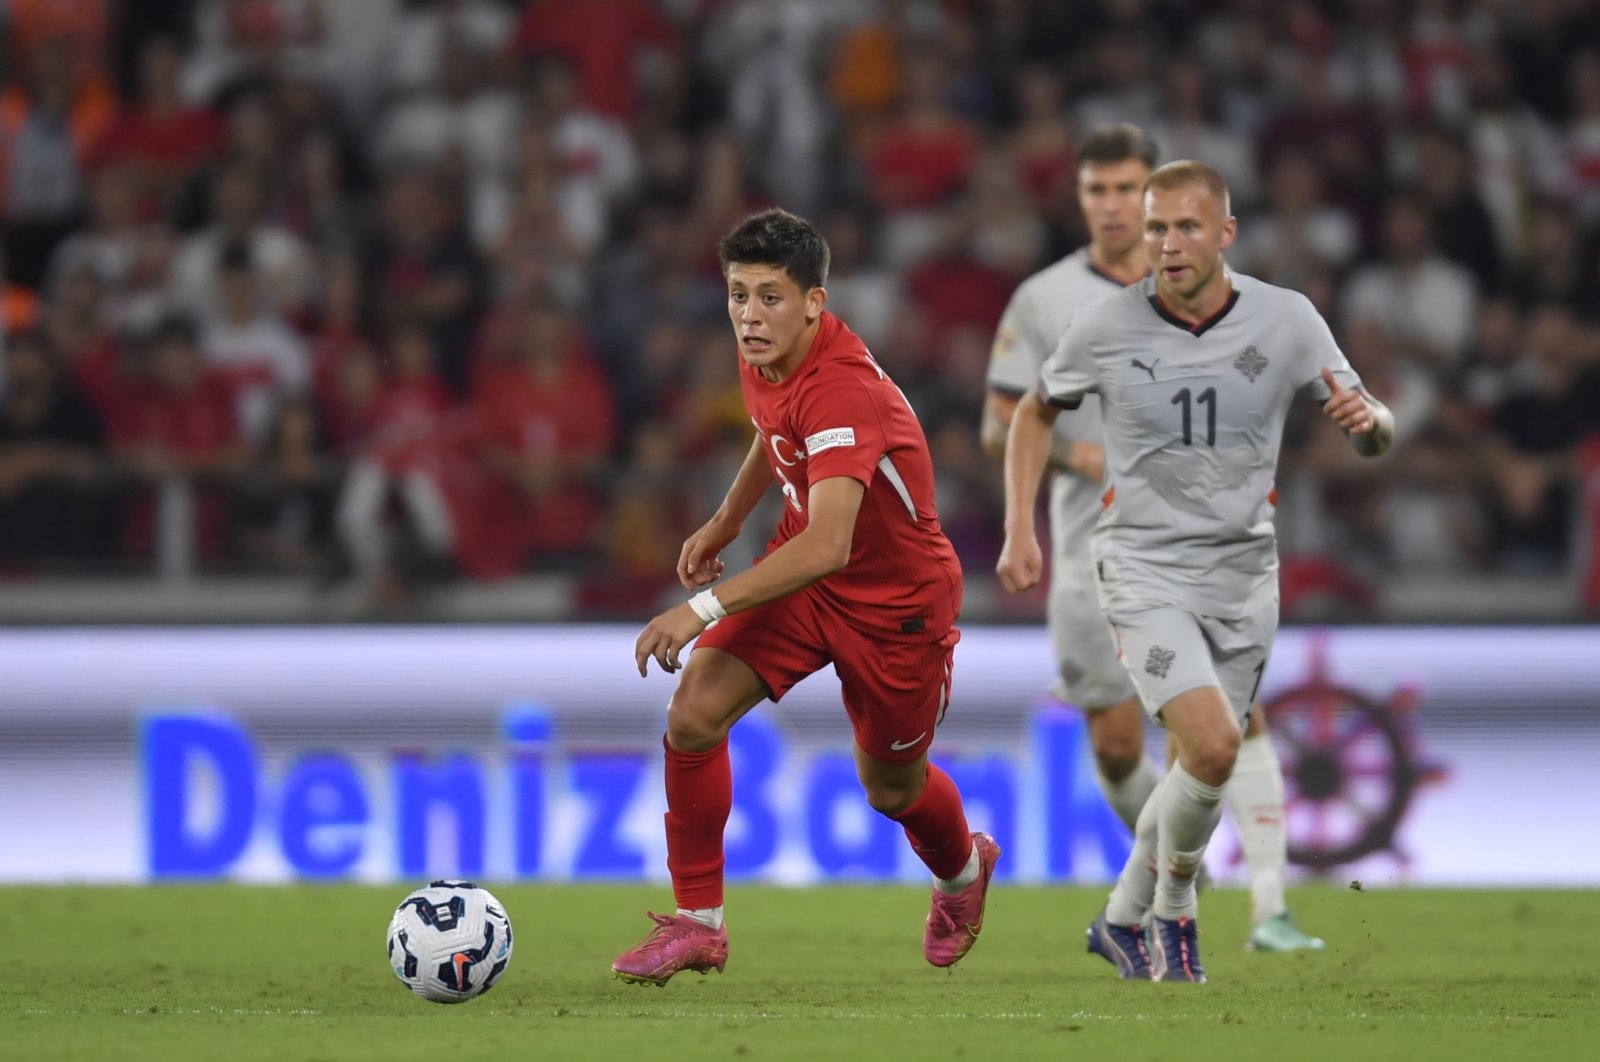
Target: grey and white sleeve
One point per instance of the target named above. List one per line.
(1018, 350)
(1319, 350)
(1068, 373)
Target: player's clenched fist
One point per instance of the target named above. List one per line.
(1349, 409)
(1021, 563)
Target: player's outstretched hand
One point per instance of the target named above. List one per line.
(1347, 408)
(1021, 563)
(664, 638)
(699, 562)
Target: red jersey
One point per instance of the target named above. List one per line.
(841, 415)
(406, 421)
(195, 424)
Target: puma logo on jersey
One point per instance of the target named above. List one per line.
(1151, 368)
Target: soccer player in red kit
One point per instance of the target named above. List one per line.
(858, 575)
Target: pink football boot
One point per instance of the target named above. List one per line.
(676, 943)
(955, 921)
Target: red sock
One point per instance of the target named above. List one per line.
(936, 826)
(699, 798)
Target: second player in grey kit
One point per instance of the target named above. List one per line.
(1195, 368)
(1113, 163)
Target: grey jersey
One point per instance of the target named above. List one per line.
(1039, 309)
(1193, 421)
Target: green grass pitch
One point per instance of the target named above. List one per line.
(229, 972)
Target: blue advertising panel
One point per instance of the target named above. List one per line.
(395, 753)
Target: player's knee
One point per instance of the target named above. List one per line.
(888, 800)
(890, 797)
(692, 726)
(1117, 737)
(1209, 756)
(1117, 755)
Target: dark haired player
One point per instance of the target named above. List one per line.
(858, 575)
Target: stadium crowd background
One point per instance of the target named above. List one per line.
(378, 296)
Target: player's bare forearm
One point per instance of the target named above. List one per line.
(1367, 422)
(998, 409)
(1375, 441)
(793, 566)
(699, 561)
(814, 554)
(1027, 453)
(1066, 455)
(749, 485)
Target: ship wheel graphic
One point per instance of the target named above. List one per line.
(1351, 767)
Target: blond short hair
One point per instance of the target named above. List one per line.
(1191, 171)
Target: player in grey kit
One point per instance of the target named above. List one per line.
(1195, 367)
(1114, 162)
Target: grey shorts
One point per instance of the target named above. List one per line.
(1169, 651)
(1089, 674)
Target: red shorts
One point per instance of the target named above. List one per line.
(895, 692)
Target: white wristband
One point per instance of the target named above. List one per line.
(707, 607)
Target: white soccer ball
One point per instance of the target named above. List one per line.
(449, 942)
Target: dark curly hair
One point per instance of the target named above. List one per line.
(778, 238)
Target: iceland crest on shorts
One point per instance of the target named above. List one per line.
(1159, 662)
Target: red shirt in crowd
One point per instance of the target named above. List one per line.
(172, 145)
(564, 417)
(603, 39)
(913, 169)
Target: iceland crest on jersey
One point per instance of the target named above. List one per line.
(1251, 362)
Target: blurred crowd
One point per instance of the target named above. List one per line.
(402, 292)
